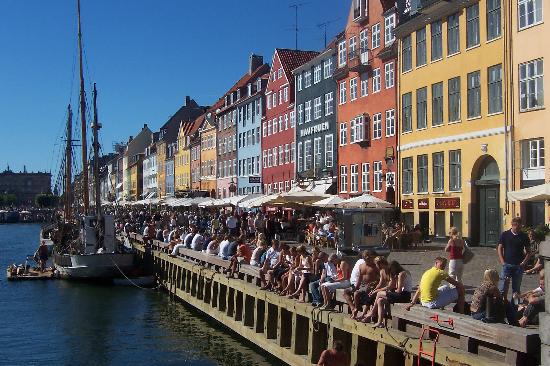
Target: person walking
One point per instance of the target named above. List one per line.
(455, 247)
(513, 254)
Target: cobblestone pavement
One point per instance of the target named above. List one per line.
(418, 260)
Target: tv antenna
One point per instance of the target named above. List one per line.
(296, 29)
(325, 25)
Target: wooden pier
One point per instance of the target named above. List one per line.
(297, 333)
(30, 275)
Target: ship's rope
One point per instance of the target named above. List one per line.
(129, 280)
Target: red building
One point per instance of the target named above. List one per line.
(366, 72)
(278, 133)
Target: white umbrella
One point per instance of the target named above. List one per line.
(258, 201)
(302, 196)
(365, 201)
(332, 201)
(535, 193)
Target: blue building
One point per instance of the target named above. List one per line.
(249, 164)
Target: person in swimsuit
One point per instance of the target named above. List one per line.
(334, 356)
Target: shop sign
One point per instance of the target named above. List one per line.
(407, 204)
(254, 179)
(446, 203)
(423, 203)
(314, 129)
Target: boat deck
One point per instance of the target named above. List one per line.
(31, 275)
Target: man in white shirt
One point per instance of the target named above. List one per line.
(223, 244)
(232, 223)
(271, 259)
(198, 242)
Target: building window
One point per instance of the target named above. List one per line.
(472, 25)
(275, 125)
(327, 68)
(329, 151)
(343, 133)
(388, 73)
(364, 85)
(365, 177)
(389, 26)
(533, 154)
(352, 138)
(376, 80)
(292, 151)
(274, 99)
(353, 89)
(354, 177)
(329, 104)
(343, 178)
(300, 157)
(422, 173)
(286, 121)
(437, 41)
(342, 92)
(281, 155)
(474, 95)
(357, 131)
(285, 93)
(455, 171)
(342, 56)
(300, 113)
(298, 83)
(493, 19)
(453, 34)
(307, 155)
(421, 108)
(317, 112)
(529, 13)
(390, 122)
(407, 53)
(454, 99)
(437, 104)
(420, 47)
(438, 171)
(377, 126)
(308, 111)
(307, 79)
(531, 85)
(352, 48)
(317, 157)
(406, 105)
(495, 88)
(376, 36)
(317, 74)
(292, 121)
(377, 186)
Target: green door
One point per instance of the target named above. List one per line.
(490, 215)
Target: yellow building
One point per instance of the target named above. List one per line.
(136, 177)
(454, 128)
(182, 160)
(161, 174)
(529, 52)
(208, 154)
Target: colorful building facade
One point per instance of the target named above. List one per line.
(530, 52)
(278, 132)
(207, 154)
(366, 80)
(454, 132)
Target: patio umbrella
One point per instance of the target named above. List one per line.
(535, 193)
(333, 201)
(301, 196)
(365, 201)
(258, 201)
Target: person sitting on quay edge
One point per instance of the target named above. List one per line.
(222, 252)
(271, 260)
(213, 247)
(341, 281)
(197, 243)
(328, 273)
(487, 291)
(513, 253)
(434, 296)
(366, 295)
(260, 249)
(242, 256)
(364, 277)
(334, 356)
(531, 305)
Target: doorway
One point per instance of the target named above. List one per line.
(424, 222)
(488, 193)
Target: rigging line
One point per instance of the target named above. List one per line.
(132, 282)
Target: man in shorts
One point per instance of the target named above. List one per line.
(434, 296)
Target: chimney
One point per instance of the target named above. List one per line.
(144, 126)
(254, 62)
(130, 139)
(187, 100)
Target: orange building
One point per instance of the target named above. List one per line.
(366, 92)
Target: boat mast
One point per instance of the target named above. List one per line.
(95, 128)
(85, 186)
(68, 165)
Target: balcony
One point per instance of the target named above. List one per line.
(359, 62)
(359, 10)
(341, 72)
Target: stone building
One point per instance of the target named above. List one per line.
(24, 185)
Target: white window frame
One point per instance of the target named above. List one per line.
(307, 110)
(390, 122)
(329, 103)
(299, 82)
(300, 154)
(343, 178)
(377, 126)
(389, 26)
(375, 36)
(354, 178)
(364, 85)
(342, 55)
(329, 150)
(389, 75)
(327, 68)
(317, 74)
(343, 133)
(537, 6)
(307, 79)
(365, 177)
(317, 109)
(376, 82)
(377, 182)
(352, 89)
(531, 76)
(343, 92)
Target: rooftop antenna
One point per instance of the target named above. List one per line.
(325, 25)
(296, 29)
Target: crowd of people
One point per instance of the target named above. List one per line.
(370, 285)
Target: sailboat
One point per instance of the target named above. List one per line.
(86, 248)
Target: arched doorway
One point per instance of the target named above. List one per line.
(486, 193)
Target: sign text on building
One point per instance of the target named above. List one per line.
(314, 129)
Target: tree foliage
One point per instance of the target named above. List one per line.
(45, 200)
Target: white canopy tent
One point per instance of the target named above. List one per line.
(365, 201)
(332, 201)
(535, 193)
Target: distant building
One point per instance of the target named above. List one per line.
(24, 185)
(136, 146)
(150, 169)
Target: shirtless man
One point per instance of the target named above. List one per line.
(334, 356)
(367, 278)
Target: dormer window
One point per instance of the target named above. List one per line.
(249, 86)
(238, 94)
(231, 98)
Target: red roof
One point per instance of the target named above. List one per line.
(291, 59)
(245, 80)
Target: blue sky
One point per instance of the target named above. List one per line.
(144, 55)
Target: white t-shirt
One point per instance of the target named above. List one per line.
(272, 256)
(146, 231)
(330, 270)
(231, 222)
(211, 249)
(354, 277)
(223, 244)
(198, 242)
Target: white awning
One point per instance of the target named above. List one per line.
(535, 193)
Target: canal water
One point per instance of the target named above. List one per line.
(66, 323)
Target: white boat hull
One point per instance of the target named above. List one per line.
(95, 266)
